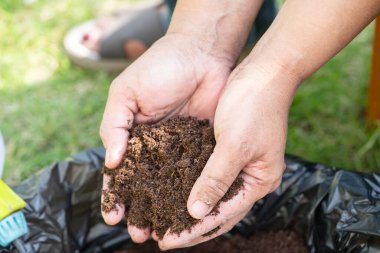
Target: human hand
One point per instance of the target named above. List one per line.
(176, 76)
(250, 130)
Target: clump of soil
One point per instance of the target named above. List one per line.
(159, 169)
(265, 242)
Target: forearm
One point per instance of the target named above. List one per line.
(222, 25)
(307, 33)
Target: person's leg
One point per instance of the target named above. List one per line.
(171, 4)
(132, 47)
(264, 19)
(135, 48)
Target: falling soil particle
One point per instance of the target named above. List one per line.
(158, 171)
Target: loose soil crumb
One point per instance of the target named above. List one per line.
(264, 242)
(161, 165)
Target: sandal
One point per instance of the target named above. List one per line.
(146, 24)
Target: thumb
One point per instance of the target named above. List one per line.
(117, 120)
(220, 172)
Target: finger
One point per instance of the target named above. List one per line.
(116, 147)
(262, 181)
(138, 235)
(235, 207)
(172, 241)
(221, 170)
(155, 236)
(224, 228)
(115, 216)
(158, 115)
(117, 119)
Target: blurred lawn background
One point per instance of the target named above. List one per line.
(50, 108)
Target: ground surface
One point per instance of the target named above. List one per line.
(50, 108)
(264, 242)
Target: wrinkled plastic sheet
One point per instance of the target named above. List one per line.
(335, 210)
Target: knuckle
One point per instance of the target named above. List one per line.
(276, 182)
(264, 180)
(275, 185)
(244, 148)
(237, 150)
(268, 179)
(214, 189)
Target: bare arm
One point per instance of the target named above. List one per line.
(251, 117)
(214, 29)
(183, 73)
(307, 33)
(223, 26)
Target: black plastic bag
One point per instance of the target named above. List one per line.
(335, 210)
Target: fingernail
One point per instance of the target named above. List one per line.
(200, 209)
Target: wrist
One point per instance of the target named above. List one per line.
(268, 79)
(195, 51)
(210, 45)
(222, 32)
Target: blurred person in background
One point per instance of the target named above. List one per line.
(113, 42)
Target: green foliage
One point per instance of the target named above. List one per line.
(327, 119)
(49, 108)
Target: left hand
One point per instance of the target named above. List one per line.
(250, 131)
(174, 77)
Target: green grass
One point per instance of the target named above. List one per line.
(50, 109)
(327, 120)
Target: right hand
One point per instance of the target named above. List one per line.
(178, 75)
(250, 132)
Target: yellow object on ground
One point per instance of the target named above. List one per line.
(9, 201)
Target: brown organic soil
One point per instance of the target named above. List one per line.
(264, 242)
(159, 169)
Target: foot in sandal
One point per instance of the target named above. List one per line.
(113, 42)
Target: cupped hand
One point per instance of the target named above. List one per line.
(250, 130)
(176, 76)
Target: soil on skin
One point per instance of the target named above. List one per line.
(264, 242)
(158, 172)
